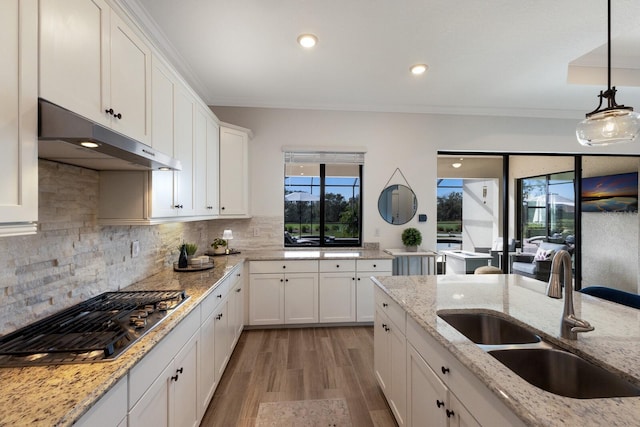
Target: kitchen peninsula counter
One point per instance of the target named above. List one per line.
(615, 342)
(59, 395)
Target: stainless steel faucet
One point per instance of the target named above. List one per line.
(570, 325)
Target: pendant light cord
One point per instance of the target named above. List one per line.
(609, 44)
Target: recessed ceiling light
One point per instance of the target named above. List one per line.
(89, 144)
(307, 40)
(419, 69)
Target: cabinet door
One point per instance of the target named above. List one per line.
(207, 370)
(301, 298)
(74, 55)
(130, 78)
(183, 150)
(221, 326)
(153, 407)
(427, 401)
(458, 415)
(337, 297)
(266, 299)
(184, 402)
(111, 408)
(213, 167)
(19, 115)
(234, 172)
(236, 311)
(162, 133)
(398, 372)
(364, 295)
(381, 350)
(200, 161)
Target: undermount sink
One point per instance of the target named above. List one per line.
(564, 373)
(489, 329)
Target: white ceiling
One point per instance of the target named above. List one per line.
(495, 57)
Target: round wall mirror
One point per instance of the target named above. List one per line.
(397, 204)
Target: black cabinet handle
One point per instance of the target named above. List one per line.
(353, 278)
(450, 413)
(178, 206)
(179, 371)
(222, 208)
(219, 296)
(358, 278)
(238, 290)
(118, 116)
(281, 280)
(387, 329)
(440, 403)
(337, 265)
(284, 266)
(374, 266)
(219, 316)
(175, 378)
(286, 280)
(109, 111)
(384, 326)
(444, 370)
(384, 304)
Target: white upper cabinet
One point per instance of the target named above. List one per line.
(206, 146)
(93, 64)
(234, 172)
(19, 117)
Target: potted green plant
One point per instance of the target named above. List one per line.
(219, 246)
(191, 249)
(411, 238)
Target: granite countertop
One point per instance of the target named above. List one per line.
(615, 342)
(59, 395)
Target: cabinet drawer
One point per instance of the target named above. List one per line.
(217, 295)
(396, 314)
(147, 370)
(374, 265)
(283, 267)
(327, 266)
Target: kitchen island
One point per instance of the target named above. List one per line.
(614, 344)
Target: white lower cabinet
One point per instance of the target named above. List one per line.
(390, 359)
(337, 297)
(283, 292)
(430, 403)
(171, 398)
(365, 268)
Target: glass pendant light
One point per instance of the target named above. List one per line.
(614, 123)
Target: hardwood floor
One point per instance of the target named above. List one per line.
(300, 364)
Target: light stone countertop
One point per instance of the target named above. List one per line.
(614, 344)
(59, 395)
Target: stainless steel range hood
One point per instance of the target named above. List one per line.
(61, 132)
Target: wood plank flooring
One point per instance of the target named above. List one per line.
(276, 365)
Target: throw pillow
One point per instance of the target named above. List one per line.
(543, 254)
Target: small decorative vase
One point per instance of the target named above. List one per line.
(412, 248)
(219, 250)
(182, 259)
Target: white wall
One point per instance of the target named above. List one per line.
(407, 141)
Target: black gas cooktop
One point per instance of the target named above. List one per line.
(96, 330)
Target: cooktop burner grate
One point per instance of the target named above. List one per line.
(98, 329)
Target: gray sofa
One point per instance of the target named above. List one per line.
(525, 264)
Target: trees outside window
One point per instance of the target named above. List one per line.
(322, 204)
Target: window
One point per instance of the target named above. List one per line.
(322, 203)
(449, 213)
(547, 207)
